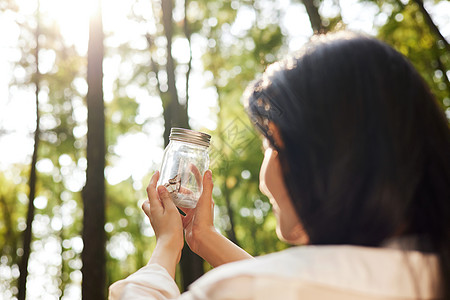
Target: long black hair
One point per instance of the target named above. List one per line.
(366, 148)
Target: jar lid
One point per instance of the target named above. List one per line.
(190, 136)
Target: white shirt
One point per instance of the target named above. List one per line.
(304, 272)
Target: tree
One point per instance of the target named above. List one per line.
(27, 234)
(431, 24)
(175, 115)
(94, 238)
(411, 31)
(314, 16)
(57, 96)
(319, 23)
(243, 212)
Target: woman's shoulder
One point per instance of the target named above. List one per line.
(375, 271)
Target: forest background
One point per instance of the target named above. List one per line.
(88, 94)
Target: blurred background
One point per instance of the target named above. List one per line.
(90, 90)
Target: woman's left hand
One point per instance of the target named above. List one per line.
(165, 219)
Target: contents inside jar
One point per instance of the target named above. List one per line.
(181, 196)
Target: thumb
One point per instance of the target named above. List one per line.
(204, 202)
(165, 198)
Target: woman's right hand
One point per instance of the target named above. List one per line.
(202, 237)
(198, 222)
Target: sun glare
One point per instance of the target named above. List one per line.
(72, 18)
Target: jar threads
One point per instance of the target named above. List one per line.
(190, 136)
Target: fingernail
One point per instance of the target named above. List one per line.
(209, 174)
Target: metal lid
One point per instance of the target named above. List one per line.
(189, 136)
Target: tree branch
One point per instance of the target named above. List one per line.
(431, 24)
(314, 16)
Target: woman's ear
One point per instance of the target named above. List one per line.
(275, 132)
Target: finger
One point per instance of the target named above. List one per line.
(151, 191)
(165, 198)
(146, 208)
(186, 219)
(204, 202)
(187, 211)
(197, 175)
(189, 214)
(185, 191)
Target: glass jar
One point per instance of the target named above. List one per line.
(184, 162)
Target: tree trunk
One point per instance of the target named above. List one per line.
(175, 114)
(314, 16)
(93, 256)
(27, 234)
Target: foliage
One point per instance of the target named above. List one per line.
(226, 57)
(60, 163)
(407, 31)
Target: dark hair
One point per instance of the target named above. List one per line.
(366, 148)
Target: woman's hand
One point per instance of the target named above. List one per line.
(198, 222)
(202, 237)
(167, 224)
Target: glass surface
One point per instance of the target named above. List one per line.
(182, 171)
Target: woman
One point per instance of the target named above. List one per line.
(356, 166)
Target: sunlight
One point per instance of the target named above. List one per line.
(72, 18)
